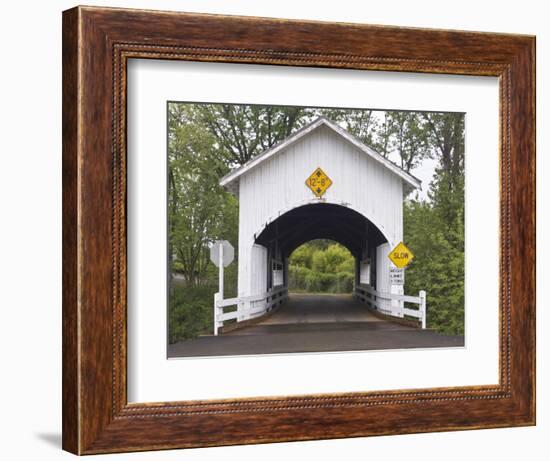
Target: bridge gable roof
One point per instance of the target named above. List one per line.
(230, 180)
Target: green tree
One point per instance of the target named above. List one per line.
(244, 131)
(199, 210)
(435, 228)
(362, 124)
(446, 136)
(408, 137)
(303, 256)
(321, 266)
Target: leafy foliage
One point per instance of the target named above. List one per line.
(435, 229)
(321, 266)
(190, 311)
(200, 211)
(243, 131)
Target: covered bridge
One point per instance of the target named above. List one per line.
(319, 183)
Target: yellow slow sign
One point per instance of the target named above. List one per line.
(401, 256)
(318, 182)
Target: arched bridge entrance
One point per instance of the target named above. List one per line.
(320, 221)
(321, 182)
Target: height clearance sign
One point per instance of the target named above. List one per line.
(401, 256)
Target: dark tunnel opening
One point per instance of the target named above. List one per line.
(317, 221)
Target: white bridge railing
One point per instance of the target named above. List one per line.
(384, 303)
(248, 307)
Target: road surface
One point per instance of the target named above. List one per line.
(315, 323)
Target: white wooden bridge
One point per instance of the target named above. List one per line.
(319, 183)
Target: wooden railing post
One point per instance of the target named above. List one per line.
(422, 296)
(247, 305)
(240, 310)
(217, 298)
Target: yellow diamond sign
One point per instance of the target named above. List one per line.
(318, 182)
(401, 256)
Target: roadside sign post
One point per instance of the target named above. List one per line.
(401, 256)
(221, 254)
(220, 272)
(397, 276)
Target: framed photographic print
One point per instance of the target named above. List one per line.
(284, 230)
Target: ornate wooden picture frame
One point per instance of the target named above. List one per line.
(97, 44)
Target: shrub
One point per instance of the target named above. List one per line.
(190, 311)
(321, 266)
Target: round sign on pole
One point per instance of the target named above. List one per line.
(228, 253)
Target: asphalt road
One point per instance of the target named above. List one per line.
(315, 323)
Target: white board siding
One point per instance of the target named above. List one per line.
(278, 278)
(278, 185)
(364, 273)
(257, 280)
